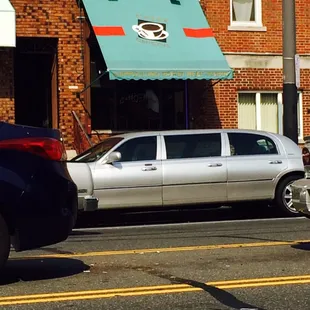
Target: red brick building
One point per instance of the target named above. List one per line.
(57, 56)
(38, 78)
(253, 48)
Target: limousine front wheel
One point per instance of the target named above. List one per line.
(4, 242)
(283, 198)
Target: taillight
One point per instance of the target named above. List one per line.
(47, 148)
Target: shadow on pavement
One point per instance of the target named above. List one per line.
(28, 270)
(85, 233)
(302, 246)
(146, 216)
(222, 296)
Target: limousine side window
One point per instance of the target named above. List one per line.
(138, 149)
(251, 144)
(193, 146)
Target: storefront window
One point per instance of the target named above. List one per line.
(102, 111)
(137, 105)
(173, 109)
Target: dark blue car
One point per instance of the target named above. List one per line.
(38, 199)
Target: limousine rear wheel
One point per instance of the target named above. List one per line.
(5, 242)
(283, 196)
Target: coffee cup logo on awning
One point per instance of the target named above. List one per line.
(151, 31)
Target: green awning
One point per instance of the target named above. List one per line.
(156, 40)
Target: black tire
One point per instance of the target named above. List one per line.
(5, 242)
(284, 204)
(305, 215)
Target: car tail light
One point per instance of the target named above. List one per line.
(47, 148)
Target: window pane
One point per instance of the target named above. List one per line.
(247, 111)
(193, 146)
(138, 106)
(139, 149)
(269, 112)
(243, 10)
(173, 109)
(251, 144)
(102, 108)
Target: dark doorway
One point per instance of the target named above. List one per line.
(36, 82)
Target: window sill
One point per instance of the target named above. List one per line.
(247, 28)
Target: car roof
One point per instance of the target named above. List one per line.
(193, 131)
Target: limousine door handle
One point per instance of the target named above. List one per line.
(275, 162)
(215, 165)
(150, 168)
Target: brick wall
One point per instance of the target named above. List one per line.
(225, 112)
(244, 41)
(7, 86)
(54, 19)
(210, 106)
(226, 92)
(270, 41)
(218, 108)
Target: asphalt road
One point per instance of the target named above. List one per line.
(244, 264)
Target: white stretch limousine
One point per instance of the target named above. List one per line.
(166, 168)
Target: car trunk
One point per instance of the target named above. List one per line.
(12, 131)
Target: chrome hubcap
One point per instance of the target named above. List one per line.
(288, 199)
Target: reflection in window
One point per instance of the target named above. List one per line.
(140, 105)
(193, 146)
(138, 108)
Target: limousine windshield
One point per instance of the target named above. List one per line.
(97, 151)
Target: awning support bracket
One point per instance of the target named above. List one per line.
(78, 94)
(92, 82)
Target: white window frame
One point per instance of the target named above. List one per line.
(256, 25)
(280, 110)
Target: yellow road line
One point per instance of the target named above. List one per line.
(166, 250)
(150, 290)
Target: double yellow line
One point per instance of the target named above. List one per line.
(167, 250)
(151, 290)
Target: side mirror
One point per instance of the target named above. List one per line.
(114, 156)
